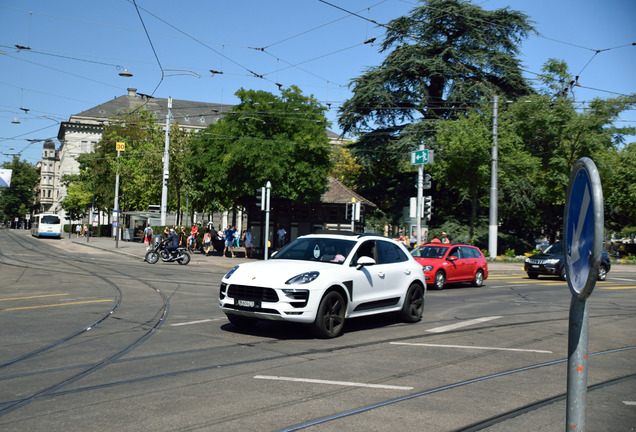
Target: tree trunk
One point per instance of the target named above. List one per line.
(474, 203)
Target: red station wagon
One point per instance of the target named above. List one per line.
(449, 263)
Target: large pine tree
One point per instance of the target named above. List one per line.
(441, 59)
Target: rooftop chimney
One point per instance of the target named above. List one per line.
(132, 91)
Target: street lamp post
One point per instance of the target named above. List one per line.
(166, 167)
(116, 206)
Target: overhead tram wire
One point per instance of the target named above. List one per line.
(197, 40)
(62, 71)
(151, 46)
(318, 27)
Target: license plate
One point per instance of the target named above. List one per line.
(535, 266)
(247, 303)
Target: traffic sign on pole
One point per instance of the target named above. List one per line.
(583, 229)
(422, 156)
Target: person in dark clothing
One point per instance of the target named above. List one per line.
(172, 242)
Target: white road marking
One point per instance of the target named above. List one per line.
(629, 402)
(340, 383)
(471, 347)
(196, 322)
(579, 227)
(461, 324)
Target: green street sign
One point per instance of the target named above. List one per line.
(420, 157)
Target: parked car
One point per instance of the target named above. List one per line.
(323, 279)
(450, 263)
(552, 262)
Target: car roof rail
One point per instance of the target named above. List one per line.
(337, 232)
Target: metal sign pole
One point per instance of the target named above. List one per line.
(420, 199)
(577, 364)
(268, 188)
(116, 209)
(583, 229)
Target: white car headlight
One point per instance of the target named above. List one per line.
(428, 268)
(303, 278)
(231, 272)
(552, 261)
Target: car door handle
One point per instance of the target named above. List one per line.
(381, 274)
(407, 272)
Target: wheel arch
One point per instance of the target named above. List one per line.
(344, 292)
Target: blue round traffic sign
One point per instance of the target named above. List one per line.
(583, 228)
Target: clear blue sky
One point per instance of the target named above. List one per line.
(79, 47)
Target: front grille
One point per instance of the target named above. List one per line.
(247, 292)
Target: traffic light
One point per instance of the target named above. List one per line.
(427, 181)
(260, 198)
(428, 207)
(352, 210)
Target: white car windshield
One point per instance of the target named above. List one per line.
(317, 249)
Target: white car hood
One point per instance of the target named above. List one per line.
(274, 273)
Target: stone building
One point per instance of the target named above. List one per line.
(84, 130)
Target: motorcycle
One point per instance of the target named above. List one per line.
(159, 251)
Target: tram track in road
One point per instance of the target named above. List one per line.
(482, 423)
(240, 369)
(143, 329)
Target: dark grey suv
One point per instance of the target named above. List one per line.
(552, 260)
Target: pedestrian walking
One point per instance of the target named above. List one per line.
(192, 240)
(229, 240)
(78, 229)
(281, 233)
(248, 242)
(148, 237)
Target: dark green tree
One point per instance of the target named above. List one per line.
(265, 137)
(140, 165)
(467, 142)
(78, 200)
(557, 134)
(619, 189)
(441, 59)
(18, 200)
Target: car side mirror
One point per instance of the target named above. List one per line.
(364, 261)
(452, 258)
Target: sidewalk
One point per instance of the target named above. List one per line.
(138, 250)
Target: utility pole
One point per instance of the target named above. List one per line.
(166, 167)
(420, 199)
(494, 192)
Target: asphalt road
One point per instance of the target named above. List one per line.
(95, 340)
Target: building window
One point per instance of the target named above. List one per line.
(49, 193)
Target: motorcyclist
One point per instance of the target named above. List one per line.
(172, 242)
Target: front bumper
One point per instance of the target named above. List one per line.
(268, 303)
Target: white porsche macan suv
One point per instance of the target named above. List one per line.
(322, 279)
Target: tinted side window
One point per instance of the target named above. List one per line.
(468, 252)
(366, 249)
(455, 252)
(390, 253)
